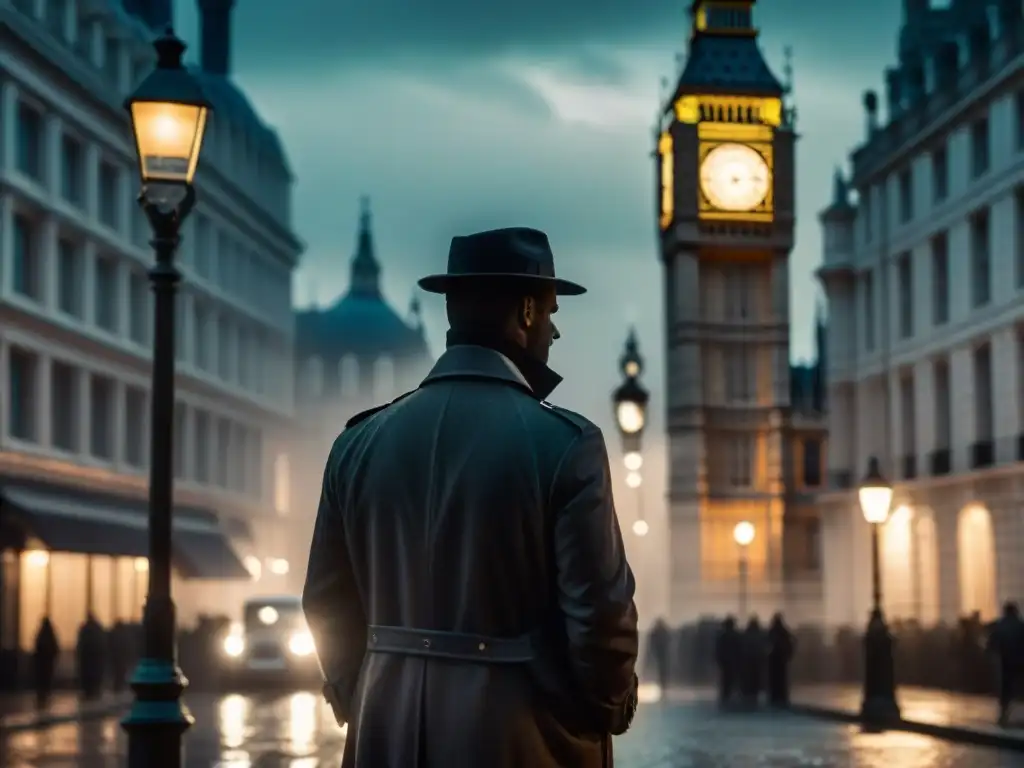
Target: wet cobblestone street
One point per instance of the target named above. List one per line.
(295, 731)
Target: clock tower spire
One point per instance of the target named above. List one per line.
(725, 217)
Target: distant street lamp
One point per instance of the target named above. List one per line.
(743, 535)
(629, 401)
(879, 702)
(168, 114)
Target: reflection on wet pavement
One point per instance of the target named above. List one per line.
(297, 731)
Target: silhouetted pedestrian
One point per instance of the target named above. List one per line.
(44, 661)
(658, 642)
(753, 653)
(728, 658)
(120, 647)
(780, 652)
(1006, 643)
(91, 652)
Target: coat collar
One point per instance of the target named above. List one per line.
(472, 361)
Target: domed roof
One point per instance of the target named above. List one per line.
(361, 322)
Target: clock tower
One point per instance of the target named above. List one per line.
(725, 221)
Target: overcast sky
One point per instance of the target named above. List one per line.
(456, 115)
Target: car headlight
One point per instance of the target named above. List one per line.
(234, 645)
(301, 644)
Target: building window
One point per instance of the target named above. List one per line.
(739, 374)
(23, 369)
(867, 214)
(203, 440)
(223, 350)
(981, 259)
(1019, 242)
(980, 150)
(1019, 111)
(868, 294)
(112, 60)
(282, 484)
(223, 452)
(30, 142)
(907, 416)
(905, 286)
(202, 336)
(26, 263)
(984, 415)
(244, 358)
(64, 406)
(812, 463)
(72, 170)
(138, 309)
(56, 17)
(69, 278)
(202, 246)
(181, 450)
(134, 420)
(940, 279)
(101, 405)
(109, 194)
(106, 293)
(741, 460)
(906, 183)
(940, 175)
(943, 405)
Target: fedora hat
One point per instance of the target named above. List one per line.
(516, 254)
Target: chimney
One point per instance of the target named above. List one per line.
(215, 36)
(871, 112)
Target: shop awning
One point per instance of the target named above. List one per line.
(90, 524)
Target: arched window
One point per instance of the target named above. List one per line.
(313, 377)
(384, 379)
(282, 484)
(977, 560)
(926, 548)
(897, 573)
(348, 372)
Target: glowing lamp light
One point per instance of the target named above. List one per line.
(253, 566)
(37, 558)
(633, 480)
(630, 417)
(234, 645)
(743, 533)
(301, 644)
(141, 565)
(168, 112)
(268, 615)
(875, 494)
(279, 566)
(641, 528)
(634, 461)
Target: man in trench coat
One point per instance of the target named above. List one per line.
(467, 585)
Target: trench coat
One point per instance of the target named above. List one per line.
(471, 517)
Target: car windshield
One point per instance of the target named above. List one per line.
(274, 614)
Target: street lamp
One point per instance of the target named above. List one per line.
(168, 113)
(879, 702)
(629, 401)
(743, 535)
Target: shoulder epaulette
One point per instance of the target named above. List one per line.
(580, 422)
(364, 415)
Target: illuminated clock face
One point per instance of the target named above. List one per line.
(735, 178)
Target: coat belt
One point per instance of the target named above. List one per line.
(458, 646)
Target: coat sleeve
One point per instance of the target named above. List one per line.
(331, 600)
(595, 584)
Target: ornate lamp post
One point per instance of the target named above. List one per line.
(630, 403)
(743, 535)
(168, 113)
(879, 702)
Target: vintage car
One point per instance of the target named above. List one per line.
(272, 645)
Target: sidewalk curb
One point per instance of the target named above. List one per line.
(954, 733)
(43, 722)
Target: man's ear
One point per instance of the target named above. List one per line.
(528, 311)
